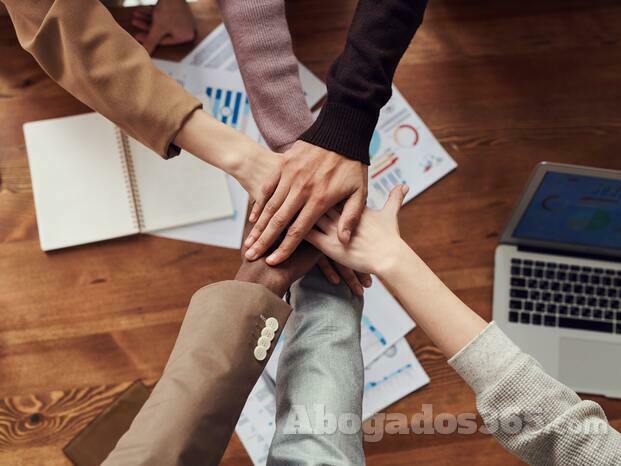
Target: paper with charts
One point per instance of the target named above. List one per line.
(391, 372)
(403, 150)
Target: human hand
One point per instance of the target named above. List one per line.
(278, 278)
(376, 243)
(231, 151)
(170, 22)
(257, 165)
(335, 272)
(251, 174)
(312, 181)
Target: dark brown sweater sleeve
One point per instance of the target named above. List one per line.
(360, 80)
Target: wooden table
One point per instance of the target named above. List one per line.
(502, 87)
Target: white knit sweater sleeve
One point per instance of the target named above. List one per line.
(530, 413)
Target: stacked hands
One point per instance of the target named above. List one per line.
(316, 196)
(292, 191)
(305, 185)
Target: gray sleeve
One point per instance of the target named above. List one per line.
(531, 414)
(319, 377)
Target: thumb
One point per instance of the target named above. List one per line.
(153, 38)
(395, 199)
(350, 217)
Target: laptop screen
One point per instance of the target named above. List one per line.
(574, 209)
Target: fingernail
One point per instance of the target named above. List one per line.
(251, 219)
(405, 188)
(251, 254)
(359, 290)
(248, 241)
(368, 282)
(335, 280)
(271, 260)
(347, 235)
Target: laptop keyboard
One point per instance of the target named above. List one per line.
(568, 296)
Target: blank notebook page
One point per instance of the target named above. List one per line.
(177, 191)
(78, 181)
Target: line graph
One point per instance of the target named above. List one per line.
(376, 383)
(373, 330)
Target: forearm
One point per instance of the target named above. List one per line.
(192, 411)
(262, 43)
(449, 323)
(558, 427)
(512, 389)
(360, 80)
(231, 151)
(80, 45)
(215, 143)
(323, 339)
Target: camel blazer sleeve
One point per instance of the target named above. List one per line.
(81, 47)
(193, 409)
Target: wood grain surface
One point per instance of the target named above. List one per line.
(502, 85)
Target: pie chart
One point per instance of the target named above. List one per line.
(405, 135)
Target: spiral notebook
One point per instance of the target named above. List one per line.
(91, 182)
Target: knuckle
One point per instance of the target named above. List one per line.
(259, 226)
(260, 245)
(288, 157)
(348, 220)
(266, 190)
(278, 221)
(306, 187)
(270, 208)
(295, 232)
(321, 199)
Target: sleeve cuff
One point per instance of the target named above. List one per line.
(262, 297)
(179, 118)
(482, 362)
(344, 130)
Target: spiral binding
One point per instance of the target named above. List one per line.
(130, 179)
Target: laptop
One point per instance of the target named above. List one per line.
(557, 278)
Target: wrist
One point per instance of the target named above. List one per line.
(242, 156)
(394, 260)
(213, 142)
(259, 277)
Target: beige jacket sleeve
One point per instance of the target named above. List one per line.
(193, 409)
(81, 47)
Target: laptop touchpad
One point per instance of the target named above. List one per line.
(590, 366)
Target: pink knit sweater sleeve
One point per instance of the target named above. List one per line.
(262, 43)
